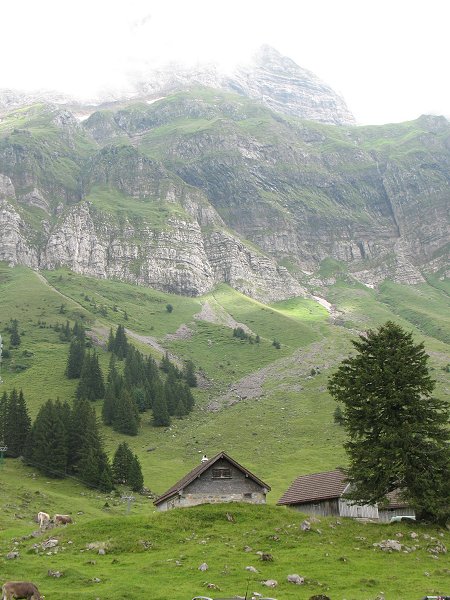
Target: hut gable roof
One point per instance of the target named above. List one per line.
(327, 486)
(315, 487)
(201, 468)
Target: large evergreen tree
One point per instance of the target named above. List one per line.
(48, 445)
(126, 415)
(127, 468)
(120, 348)
(135, 477)
(17, 424)
(91, 385)
(75, 359)
(397, 432)
(161, 417)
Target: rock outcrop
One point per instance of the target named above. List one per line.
(203, 188)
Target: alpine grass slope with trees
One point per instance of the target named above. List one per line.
(200, 273)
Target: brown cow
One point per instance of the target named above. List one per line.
(62, 519)
(20, 589)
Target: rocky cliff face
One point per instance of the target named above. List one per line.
(203, 188)
(280, 84)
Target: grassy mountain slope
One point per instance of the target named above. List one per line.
(262, 405)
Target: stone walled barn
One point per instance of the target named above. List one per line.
(215, 480)
(322, 494)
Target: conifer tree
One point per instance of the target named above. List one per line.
(3, 405)
(170, 392)
(113, 389)
(48, 447)
(17, 424)
(135, 477)
(398, 433)
(121, 464)
(105, 483)
(189, 373)
(165, 363)
(14, 338)
(120, 343)
(75, 359)
(161, 417)
(126, 419)
(79, 332)
(111, 341)
(91, 384)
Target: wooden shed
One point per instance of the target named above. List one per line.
(215, 480)
(323, 494)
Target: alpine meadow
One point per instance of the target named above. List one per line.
(212, 295)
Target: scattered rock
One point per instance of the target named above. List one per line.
(51, 543)
(297, 579)
(247, 549)
(305, 526)
(389, 545)
(56, 574)
(203, 567)
(230, 518)
(270, 583)
(251, 569)
(437, 548)
(102, 551)
(12, 555)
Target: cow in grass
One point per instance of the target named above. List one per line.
(43, 519)
(11, 590)
(62, 519)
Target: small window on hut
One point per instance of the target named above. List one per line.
(221, 473)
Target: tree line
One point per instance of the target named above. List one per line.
(63, 441)
(138, 386)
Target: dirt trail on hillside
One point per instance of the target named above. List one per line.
(216, 313)
(290, 371)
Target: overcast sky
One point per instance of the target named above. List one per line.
(388, 59)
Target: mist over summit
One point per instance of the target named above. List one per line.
(270, 78)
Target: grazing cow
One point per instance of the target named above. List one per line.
(20, 589)
(62, 519)
(43, 519)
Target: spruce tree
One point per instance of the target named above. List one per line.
(189, 373)
(111, 341)
(135, 477)
(3, 405)
(91, 384)
(48, 447)
(126, 419)
(170, 392)
(397, 432)
(17, 424)
(121, 464)
(75, 359)
(161, 417)
(113, 390)
(14, 338)
(120, 343)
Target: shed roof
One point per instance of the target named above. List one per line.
(327, 486)
(318, 486)
(201, 468)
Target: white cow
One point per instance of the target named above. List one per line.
(43, 519)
